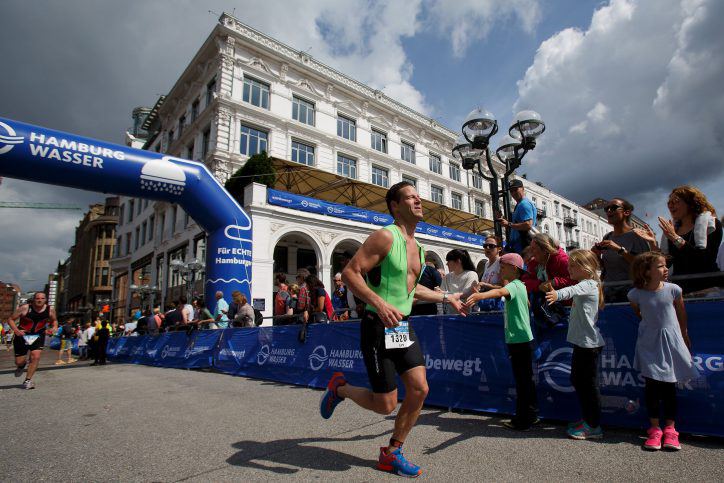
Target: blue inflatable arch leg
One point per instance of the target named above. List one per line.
(42, 155)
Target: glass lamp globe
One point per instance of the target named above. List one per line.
(479, 125)
(527, 124)
(506, 149)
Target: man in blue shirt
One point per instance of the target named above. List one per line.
(524, 219)
(222, 307)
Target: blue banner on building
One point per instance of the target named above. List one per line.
(320, 207)
(466, 360)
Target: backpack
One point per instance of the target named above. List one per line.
(280, 302)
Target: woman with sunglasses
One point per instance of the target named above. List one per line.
(618, 249)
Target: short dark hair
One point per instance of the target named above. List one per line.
(281, 278)
(626, 205)
(183, 299)
(393, 194)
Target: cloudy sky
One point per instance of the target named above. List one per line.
(630, 89)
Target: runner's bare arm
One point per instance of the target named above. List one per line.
(428, 295)
(54, 320)
(371, 254)
(20, 312)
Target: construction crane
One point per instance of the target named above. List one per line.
(38, 206)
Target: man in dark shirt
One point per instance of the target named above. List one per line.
(430, 278)
(174, 317)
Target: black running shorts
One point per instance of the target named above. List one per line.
(21, 348)
(384, 364)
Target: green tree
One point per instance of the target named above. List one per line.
(258, 168)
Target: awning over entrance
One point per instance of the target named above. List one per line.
(308, 181)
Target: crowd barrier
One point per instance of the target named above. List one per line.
(466, 360)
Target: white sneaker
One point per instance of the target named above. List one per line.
(29, 384)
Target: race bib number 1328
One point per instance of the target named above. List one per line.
(398, 337)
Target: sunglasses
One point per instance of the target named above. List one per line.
(489, 245)
(612, 208)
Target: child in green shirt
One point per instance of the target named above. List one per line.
(518, 336)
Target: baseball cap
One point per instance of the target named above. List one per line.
(512, 259)
(516, 183)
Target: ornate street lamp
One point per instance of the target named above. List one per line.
(187, 271)
(472, 149)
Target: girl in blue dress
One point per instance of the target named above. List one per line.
(663, 345)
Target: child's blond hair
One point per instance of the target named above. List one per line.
(588, 261)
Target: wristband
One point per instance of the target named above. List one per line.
(680, 242)
(444, 297)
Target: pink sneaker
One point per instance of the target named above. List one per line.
(671, 438)
(653, 442)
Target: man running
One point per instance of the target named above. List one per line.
(391, 260)
(35, 320)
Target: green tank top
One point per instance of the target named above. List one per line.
(389, 278)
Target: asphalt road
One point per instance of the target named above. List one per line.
(137, 423)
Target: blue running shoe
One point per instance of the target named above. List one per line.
(330, 399)
(574, 424)
(395, 462)
(584, 431)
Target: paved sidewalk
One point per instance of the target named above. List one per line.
(137, 423)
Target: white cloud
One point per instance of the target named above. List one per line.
(469, 21)
(632, 104)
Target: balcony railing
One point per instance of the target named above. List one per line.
(570, 221)
(542, 213)
(572, 245)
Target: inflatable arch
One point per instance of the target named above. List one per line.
(42, 155)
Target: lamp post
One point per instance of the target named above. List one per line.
(144, 291)
(187, 271)
(472, 148)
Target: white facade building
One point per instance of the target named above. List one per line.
(244, 93)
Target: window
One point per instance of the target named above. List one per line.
(117, 250)
(302, 153)
(346, 166)
(174, 276)
(194, 110)
(104, 277)
(205, 138)
(435, 164)
(210, 90)
(144, 228)
(181, 124)
(98, 277)
(407, 152)
(99, 253)
(139, 206)
(159, 271)
(161, 225)
(131, 204)
(174, 217)
(252, 141)
(138, 238)
(302, 111)
(151, 226)
(281, 259)
(170, 138)
(477, 180)
(256, 93)
(454, 171)
(380, 176)
(436, 194)
(480, 208)
(186, 219)
(128, 243)
(200, 248)
(346, 128)
(191, 150)
(121, 214)
(379, 141)
(457, 200)
(410, 180)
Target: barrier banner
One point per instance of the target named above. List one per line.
(201, 349)
(467, 363)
